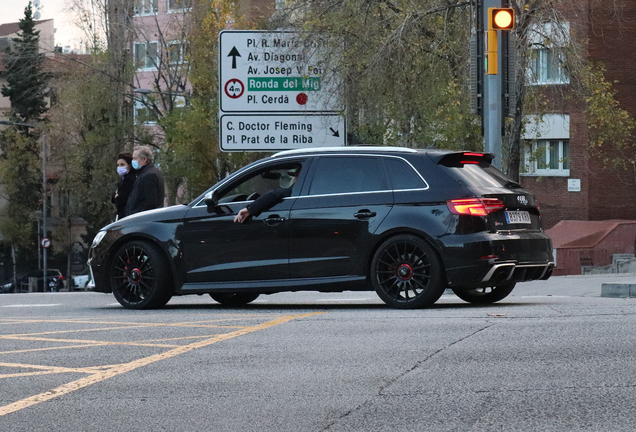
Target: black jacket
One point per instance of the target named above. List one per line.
(147, 192)
(123, 192)
(268, 200)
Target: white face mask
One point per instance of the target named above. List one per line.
(285, 180)
(122, 171)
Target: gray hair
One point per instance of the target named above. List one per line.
(145, 151)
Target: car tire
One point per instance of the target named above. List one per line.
(406, 272)
(485, 295)
(234, 299)
(139, 276)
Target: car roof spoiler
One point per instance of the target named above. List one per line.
(459, 158)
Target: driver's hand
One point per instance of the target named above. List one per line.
(241, 216)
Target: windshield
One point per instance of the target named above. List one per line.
(483, 176)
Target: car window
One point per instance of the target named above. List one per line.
(485, 176)
(402, 175)
(260, 182)
(339, 174)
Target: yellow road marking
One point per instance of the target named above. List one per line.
(53, 369)
(52, 348)
(181, 338)
(127, 367)
(102, 343)
(125, 323)
(124, 326)
(93, 369)
(25, 374)
(91, 342)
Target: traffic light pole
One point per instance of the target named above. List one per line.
(492, 104)
(44, 233)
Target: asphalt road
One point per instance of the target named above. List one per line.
(554, 356)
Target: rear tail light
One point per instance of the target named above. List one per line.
(475, 206)
(61, 277)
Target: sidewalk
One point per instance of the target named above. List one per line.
(574, 286)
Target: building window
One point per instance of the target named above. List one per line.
(546, 67)
(143, 114)
(546, 158)
(146, 55)
(179, 102)
(176, 52)
(146, 7)
(175, 5)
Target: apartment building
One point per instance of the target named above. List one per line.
(159, 29)
(7, 33)
(570, 181)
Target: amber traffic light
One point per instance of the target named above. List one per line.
(498, 19)
(501, 19)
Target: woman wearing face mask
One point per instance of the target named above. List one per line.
(126, 182)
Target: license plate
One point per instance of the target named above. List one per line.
(518, 217)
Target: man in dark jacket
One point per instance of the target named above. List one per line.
(267, 200)
(148, 190)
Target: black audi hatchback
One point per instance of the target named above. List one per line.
(406, 223)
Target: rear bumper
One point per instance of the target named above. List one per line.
(491, 259)
(514, 272)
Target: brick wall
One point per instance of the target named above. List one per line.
(257, 9)
(612, 41)
(606, 193)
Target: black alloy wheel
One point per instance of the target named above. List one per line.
(406, 273)
(234, 299)
(485, 295)
(139, 277)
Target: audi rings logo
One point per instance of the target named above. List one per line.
(522, 200)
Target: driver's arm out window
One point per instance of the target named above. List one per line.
(258, 183)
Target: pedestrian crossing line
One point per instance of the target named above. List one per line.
(115, 370)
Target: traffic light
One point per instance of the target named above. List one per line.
(498, 19)
(501, 19)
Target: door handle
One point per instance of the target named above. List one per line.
(273, 220)
(364, 214)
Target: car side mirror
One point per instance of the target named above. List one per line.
(212, 201)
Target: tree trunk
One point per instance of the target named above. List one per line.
(514, 138)
(15, 270)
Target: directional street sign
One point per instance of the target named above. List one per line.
(275, 72)
(46, 243)
(270, 132)
(277, 93)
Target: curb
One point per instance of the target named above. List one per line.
(618, 290)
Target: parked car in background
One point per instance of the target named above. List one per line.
(55, 281)
(6, 287)
(406, 223)
(81, 281)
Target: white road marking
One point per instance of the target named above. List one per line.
(344, 299)
(32, 305)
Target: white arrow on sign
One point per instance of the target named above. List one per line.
(276, 71)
